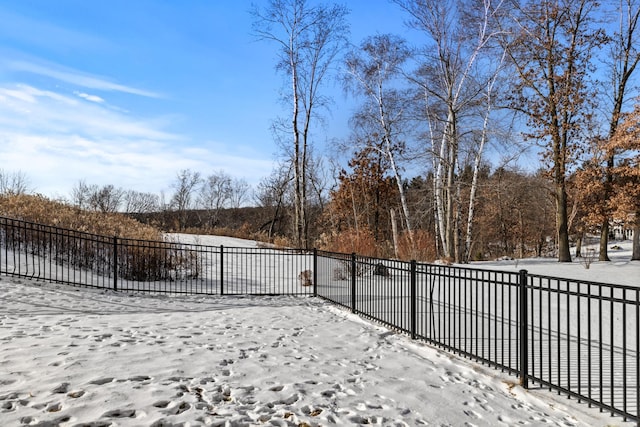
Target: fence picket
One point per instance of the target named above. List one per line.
(524, 330)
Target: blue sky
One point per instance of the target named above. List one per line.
(130, 92)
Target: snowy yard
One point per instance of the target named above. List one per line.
(89, 357)
(97, 357)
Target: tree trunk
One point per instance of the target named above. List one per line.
(438, 185)
(474, 181)
(603, 253)
(458, 242)
(604, 241)
(470, 216)
(449, 223)
(355, 212)
(564, 255)
(304, 228)
(635, 256)
(297, 195)
(403, 199)
(452, 159)
(394, 230)
(392, 161)
(579, 246)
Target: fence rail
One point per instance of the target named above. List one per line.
(575, 337)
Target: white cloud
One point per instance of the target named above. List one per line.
(92, 98)
(58, 139)
(29, 94)
(73, 77)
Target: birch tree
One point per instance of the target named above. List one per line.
(550, 47)
(459, 36)
(477, 158)
(372, 71)
(309, 38)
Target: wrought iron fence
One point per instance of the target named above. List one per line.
(575, 337)
(82, 259)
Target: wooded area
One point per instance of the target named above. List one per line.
(554, 75)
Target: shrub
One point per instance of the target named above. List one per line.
(359, 241)
(423, 248)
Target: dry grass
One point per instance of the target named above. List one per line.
(151, 258)
(423, 248)
(40, 210)
(361, 242)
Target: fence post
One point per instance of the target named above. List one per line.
(115, 263)
(353, 282)
(221, 269)
(413, 299)
(524, 330)
(315, 272)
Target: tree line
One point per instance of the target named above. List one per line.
(557, 75)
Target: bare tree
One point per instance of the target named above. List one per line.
(318, 182)
(95, 198)
(453, 82)
(13, 183)
(106, 199)
(239, 192)
(309, 38)
(550, 46)
(137, 202)
(477, 159)
(81, 193)
(182, 199)
(271, 193)
(371, 72)
(214, 195)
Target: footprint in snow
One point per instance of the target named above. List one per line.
(61, 389)
(102, 381)
(120, 413)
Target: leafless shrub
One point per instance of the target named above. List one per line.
(588, 257)
(340, 273)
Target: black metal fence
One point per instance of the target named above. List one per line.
(575, 337)
(82, 259)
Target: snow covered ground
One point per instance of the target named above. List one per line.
(620, 270)
(96, 357)
(87, 357)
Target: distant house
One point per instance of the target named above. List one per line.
(621, 230)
